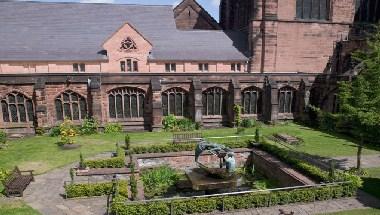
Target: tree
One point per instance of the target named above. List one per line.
(360, 98)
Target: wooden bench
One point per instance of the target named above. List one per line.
(188, 137)
(17, 182)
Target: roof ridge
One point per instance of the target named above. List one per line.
(81, 3)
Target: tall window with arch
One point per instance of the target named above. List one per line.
(175, 101)
(70, 105)
(17, 108)
(287, 99)
(214, 101)
(252, 100)
(124, 103)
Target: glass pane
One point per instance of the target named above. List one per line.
(253, 102)
(315, 9)
(206, 67)
(75, 111)
(172, 103)
(83, 108)
(67, 110)
(218, 101)
(75, 67)
(4, 108)
(119, 106)
(200, 67)
(260, 102)
(30, 110)
(66, 97)
(204, 103)
(293, 104)
(323, 9)
(185, 105)
(174, 67)
(246, 99)
(58, 109)
(129, 65)
(210, 104)
(178, 104)
(167, 67)
(111, 106)
(307, 9)
(299, 8)
(135, 66)
(224, 103)
(22, 111)
(141, 105)
(82, 67)
(74, 97)
(282, 102)
(288, 102)
(165, 104)
(127, 106)
(134, 105)
(20, 98)
(13, 110)
(11, 99)
(122, 66)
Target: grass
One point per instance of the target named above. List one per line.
(42, 154)
(371, 183)
(371, 211)
(17, 208)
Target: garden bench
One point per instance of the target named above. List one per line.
(17, 181)
(188, 137)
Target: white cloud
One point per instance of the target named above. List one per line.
(96, 1)
(215, 3)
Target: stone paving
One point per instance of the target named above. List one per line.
(368, 161)
(46, 196)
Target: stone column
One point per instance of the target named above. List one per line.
(155, 85)
(41, 118)
(235, 99)
(94, 99)
(197, 105)
(270, 111)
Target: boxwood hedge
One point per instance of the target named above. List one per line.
(95, 189)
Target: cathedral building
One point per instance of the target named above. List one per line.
(135, 64)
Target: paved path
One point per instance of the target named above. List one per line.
(368, 161)
(46, 196)
(362, 201)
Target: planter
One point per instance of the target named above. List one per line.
(70, 146)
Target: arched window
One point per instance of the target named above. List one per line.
(252, 100)
(214, 101)
(70, 105)
(174, 101)
(16, 107)
(126, 103)
(287, 100)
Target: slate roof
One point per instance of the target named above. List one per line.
(31, 31)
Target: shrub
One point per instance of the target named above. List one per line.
(127, 141)
(237, 112)
(113, 128)
(158, 180)
(3, 174)
(240, 130)
(248, 123)
(3, 137)
(67, 132)
(116, 162)
(40, 131)
(229, 203)
(96, 189)
(55, 132)
(257, 135)
(171, 123)
(82, 165)
(133, 183)
(89, 126)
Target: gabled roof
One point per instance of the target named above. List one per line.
(181, 7)
(31, 31)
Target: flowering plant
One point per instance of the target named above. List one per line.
(67, 132)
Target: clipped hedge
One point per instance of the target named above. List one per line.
(308, 169)
(116, 162)
(169, 147)
(95, 189)
(229, 203)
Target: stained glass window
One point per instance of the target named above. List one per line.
(71, 105)
(252, 101)
(174, 101)
(287, 99)
(214, 101)
(126, 103)
(17, 108)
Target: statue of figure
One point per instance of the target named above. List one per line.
(225, 154)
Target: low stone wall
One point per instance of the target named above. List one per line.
(271, 167)
(185, 160)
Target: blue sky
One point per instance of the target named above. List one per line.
(212, 6)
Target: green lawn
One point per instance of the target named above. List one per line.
(17, 208)
(371, 183)
(371, 211)
(42, 154)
